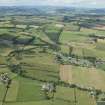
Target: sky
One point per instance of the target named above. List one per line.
(75, 3)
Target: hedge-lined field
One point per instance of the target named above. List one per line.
(24, 92)
(39, 40)
(88, 77)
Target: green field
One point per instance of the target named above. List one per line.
(24, 92)
(46, 48)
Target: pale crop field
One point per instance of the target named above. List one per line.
(90, 77)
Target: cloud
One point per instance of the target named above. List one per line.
(6, 1)
(77, 3)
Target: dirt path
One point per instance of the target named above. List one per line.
(66, 73)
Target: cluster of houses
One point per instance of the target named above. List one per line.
(49, 88)
(4, 78)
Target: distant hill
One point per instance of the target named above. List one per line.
(49, 10)
(4, 10)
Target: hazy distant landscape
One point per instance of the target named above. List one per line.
(52, 55)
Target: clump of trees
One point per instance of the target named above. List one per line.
(16, 68)
(4, 78)
(54, 35)
(67, 19)
(70, 50)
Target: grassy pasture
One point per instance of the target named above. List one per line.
(79, 36)
(68, 36)
(42, 66)
(90, 50)
(100, 46)
(38, 68)
(29, 92)
(2, 90)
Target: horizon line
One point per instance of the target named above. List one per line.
(52, 6)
